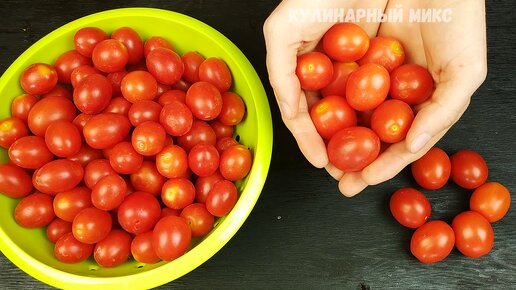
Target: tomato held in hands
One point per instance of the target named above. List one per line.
(12, 129)
(69, 250)
(171, 238)
(314, 71)
(222, 198)
(492, 200)
(235, 162)
(345, 42)
(367, 87)
(178, 193)
(139, 212)
(353, 148)
(14, 181)
(58, 176)
(110, 55)
(332, 114)
(341, 72)
(49, 110)
(34, 211)
(215, 71)
(385, 51)
(165, 65)
(142, 249)
(38, 78)
(68, 204)
(410, 207)
(411, 83)
(474, 236)
(468, 169)
(93, 94)
(432, 242)
(106, 130)
(199, 219)
(432, 171)
(91, 225)
(85, 39)
(391, 120)
(63, 138)
(139, 85)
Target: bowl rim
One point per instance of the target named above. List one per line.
(224, 231)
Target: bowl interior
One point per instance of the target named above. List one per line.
(29, 248)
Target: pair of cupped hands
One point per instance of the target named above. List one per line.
(454, 52)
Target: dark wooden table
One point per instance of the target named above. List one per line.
(303, 234)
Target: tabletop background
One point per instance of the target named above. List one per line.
(302, 233)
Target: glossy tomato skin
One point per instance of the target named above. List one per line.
(314, 70)
(85, 39)
(109, 192)
(345, 42)
(34, 211)
(58, 91)
(224, 143)
(172, 161)
(172, 95)
(30, 152)
(178, 193)
(58, 176)
(176, 118)
(95, 170)
(432, 171)
(21, 106)
(63, 138)
(68, 204)
(118, 105)
(106, 130)
(411, 83)
(410, 207)
(124, 159)
(432, 242)
(385, 51)
(48, 110)
(38, 78)
(132, 41)
(235, 162)
(142, 250)
(143, 111)
(492, 200)
(91, 225)
(474, 236)
(233, 109)
(81, 73)
(116, 81)
(192, 61)
(199, 219)
(222, 198)
(216, 72)
(468, 169)
(341, 72)
(14, 181)
(139, 212)
(367, 87)
(12, 129)
(332, 114)
(148, 179)
(200, 132)
(93, 94)
(222, 130)
(165, 65)
(203, 185)
(171, 237)
(154, 42)
(69, 250)
(149, 138)
(203, 159)
(391, 121)
(85, 155)
(204, 100)
(67, 62)
(139, 85)
(113, 250)
(353, 148)
(58, 228)
(110, 55)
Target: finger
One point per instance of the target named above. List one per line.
(334, 171)
(352, 184)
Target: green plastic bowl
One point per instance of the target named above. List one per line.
(30, 250)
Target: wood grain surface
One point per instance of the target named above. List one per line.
(303, 234)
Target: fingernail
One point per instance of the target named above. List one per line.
(286, 110)
(420, 142)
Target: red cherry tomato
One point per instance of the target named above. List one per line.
(21, 106)
(109, 192)
(233, 109)
(367, 87)
(353, 148)
(221, 130)
(38, 78)
(116, 81)
(224, 143)
(222, 198)
(139, 85)
(85, 39)
(30, 152)
(203, 159)
(67, 62)
(12, 129)
(391, 120)
(48, 110)
(332, 114)
(148, 179)
(172, 95)
(492, 200)
(93, 94)
(58, 228)
(143, 111)
(192, 61)
(34, 211)
(167, 211)
(149, 138)
(85, 155)
(69, 250)
(14, 181)
(142, 249)
(171, 238)
(181, 85)
(314, 71)
(176, 118)
(165, 65)
(432, 242)
(341, 72)
(468, 169)
(172, 161)
(154, 42)
(385, 51)
(410, 207)
(474, 236)
(118, 105)
(411, 83)
(131, 41)
(203, 185)
(113, 250)
(63, 138)
(58, 176)
(235, 162)
(106, 130)
(110, 55)
(432, 171)
(178, 193)
(95, 170)
(215, 71)
(81, 73)
(124, 159)
(204, 100)
(81, 120)
(58, 91)
(200, 132)
(345, 42)
(139, 212)
(91, 225)
(68, 204)
(199, 219)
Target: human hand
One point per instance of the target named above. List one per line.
(455, 55)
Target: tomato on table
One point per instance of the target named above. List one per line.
(385, 51)
(345, 42)
(367, 87)
(468, 169)
(432, 242)
(332, 114)
(410, 207)
(474, 236)
(411, 83)
(391, 120)
(432, 171)
(314, 71)
(492, 200)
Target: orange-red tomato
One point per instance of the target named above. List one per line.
(432, 171)
(385, 51)
(345, 42)
(492, 200)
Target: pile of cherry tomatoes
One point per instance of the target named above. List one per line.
(471, 231)
(354, 116)
(122, 147)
